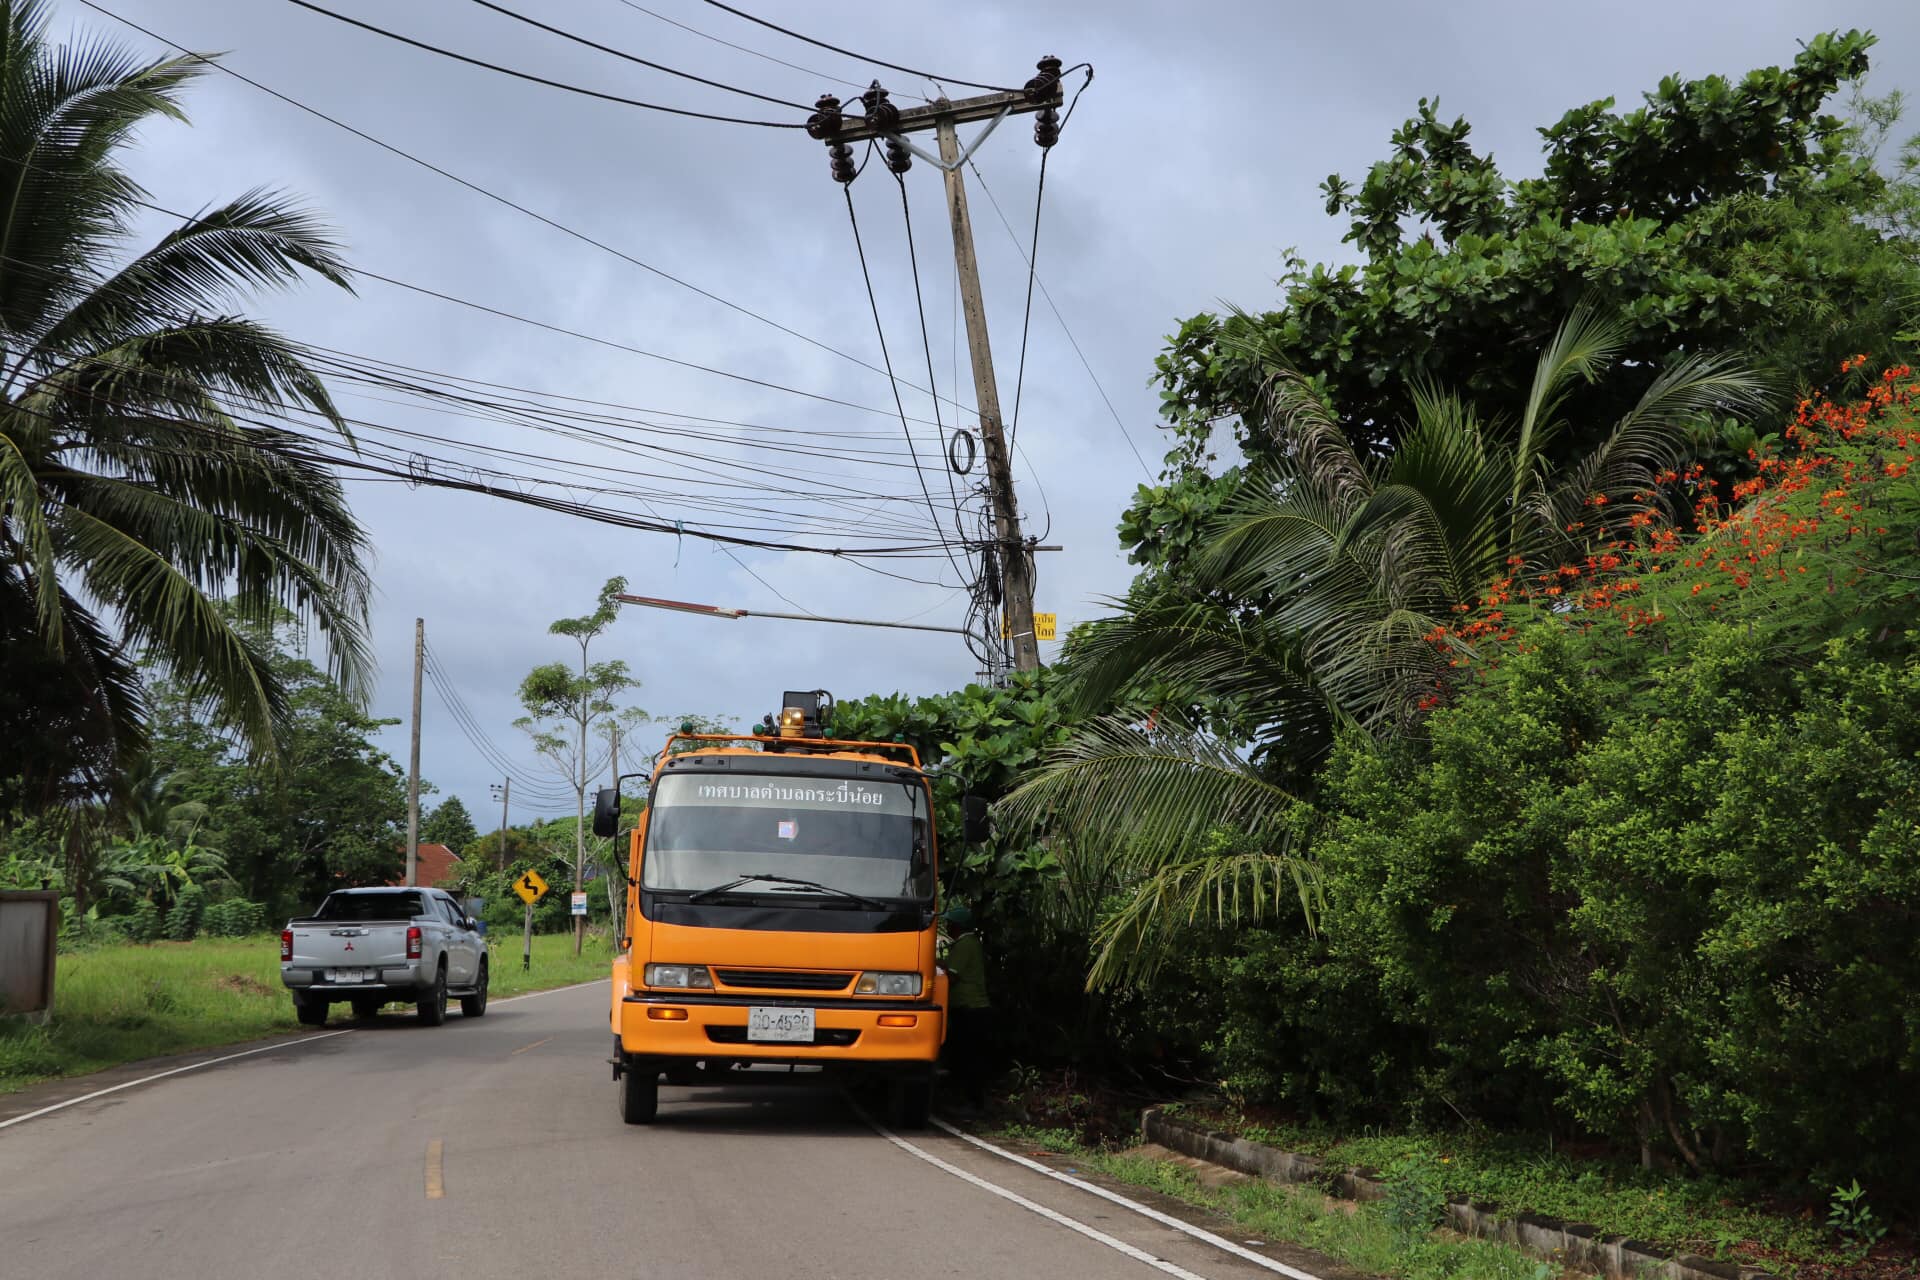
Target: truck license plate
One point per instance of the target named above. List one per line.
(793, 1025)
(349, 975)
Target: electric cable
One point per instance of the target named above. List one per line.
(792, 66)
(848, 53)
(1026, 312)
(873, 302)
(926, 345)
(477, 189)
(529, 76)
(634, 58)
(1065, 328)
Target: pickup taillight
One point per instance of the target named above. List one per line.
(413, 942)
(286, 945)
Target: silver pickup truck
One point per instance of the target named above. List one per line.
(371, 947)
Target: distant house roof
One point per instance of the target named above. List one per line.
(435, 866)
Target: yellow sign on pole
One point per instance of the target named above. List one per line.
(530, 887)
(1045, 626)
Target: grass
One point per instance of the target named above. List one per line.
(1362, 1236)
(124, 1003)
(1715, 1217)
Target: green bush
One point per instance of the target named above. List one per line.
(183, 919)
(1685, 926)
(142, 924)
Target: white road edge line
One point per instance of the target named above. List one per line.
(1051, 1215)
(1165, 1219)
(247, 1053)
(191, 1066)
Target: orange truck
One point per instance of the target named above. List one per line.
(780, 913)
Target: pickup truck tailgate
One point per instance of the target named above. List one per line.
(359, 944)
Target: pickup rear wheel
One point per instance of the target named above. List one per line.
(311, 1012)
(639, 1095)
(475, 1005)
(433, 1002)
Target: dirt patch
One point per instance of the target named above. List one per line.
(241, 984)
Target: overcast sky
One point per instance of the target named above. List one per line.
(1191, 165)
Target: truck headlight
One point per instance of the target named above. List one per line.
(677, 975)
(887, 984)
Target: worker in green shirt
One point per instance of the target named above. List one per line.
(969, 1011)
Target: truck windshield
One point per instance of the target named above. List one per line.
(369, 906)
(867, 837)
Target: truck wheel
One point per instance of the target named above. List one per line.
(311, 1012)
(475, 1005)
(433, 1004)
(365, 1007)
(639, 1095)
(909, 1102)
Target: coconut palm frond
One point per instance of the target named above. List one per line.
(1584, 346)
(1651, 436)
(1229, 889)
(126, 475)
(1115, 786)
(1295, 416)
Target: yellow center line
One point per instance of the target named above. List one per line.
(535, 1045)
(436, 1185)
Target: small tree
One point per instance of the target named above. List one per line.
(449, 824)
(569, 714)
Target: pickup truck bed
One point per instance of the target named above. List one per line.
(371, 947)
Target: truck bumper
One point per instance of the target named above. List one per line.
(658, 1028)
(402, 981)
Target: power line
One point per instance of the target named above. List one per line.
(926, 345)
(477, 189)
(848, 53)
(533, 787)
(1064, 326)
(620, 53)
(792, 66)
(846, 189)
(529, 76)
(1026, 312)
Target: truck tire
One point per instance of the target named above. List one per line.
(475, 1005)
(433, 1002)
(639, 1095)
(311, 1012)
(365, 1007)
(910, 1102)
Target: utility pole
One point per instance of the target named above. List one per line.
(506, 793)
(883, 120)
(614, 905)
(413, 757)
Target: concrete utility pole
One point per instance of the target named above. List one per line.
(413, 756)
(884, 120)
(506, 793)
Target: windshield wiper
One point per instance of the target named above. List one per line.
(815, 885)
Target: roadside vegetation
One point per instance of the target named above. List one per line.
(117, 1004)
(1395, 1237)
(1514, 752)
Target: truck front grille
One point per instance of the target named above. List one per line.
(783, 980)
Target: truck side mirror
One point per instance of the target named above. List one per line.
(606, 812)
(976, 826)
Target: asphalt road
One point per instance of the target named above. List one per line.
(493, 1148)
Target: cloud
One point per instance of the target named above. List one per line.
(1190, 166)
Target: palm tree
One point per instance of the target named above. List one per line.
(1308, 610)
(137, 483)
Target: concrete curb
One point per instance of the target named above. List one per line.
(1570, 1243)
